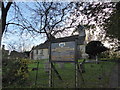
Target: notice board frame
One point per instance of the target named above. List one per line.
(63, 61)
(75, 61)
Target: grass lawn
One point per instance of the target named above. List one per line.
(95, 76)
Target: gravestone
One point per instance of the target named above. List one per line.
(61, 65)
(47, 66)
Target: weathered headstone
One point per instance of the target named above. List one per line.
(61, 65)
(47, 66)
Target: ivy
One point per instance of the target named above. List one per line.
(15, 71)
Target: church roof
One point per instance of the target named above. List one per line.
(45, 45)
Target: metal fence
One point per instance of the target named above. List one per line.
(63, 75)
(66, 76)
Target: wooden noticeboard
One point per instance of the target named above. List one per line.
(63, 51)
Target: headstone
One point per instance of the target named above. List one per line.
(61, 65)
(34, 54)
(47, 66)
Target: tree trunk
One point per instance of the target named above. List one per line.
(4, 14)
(0, 25)
(3, 17)
(0, 49)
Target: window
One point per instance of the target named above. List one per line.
(48, 51)
(41, 52)
(36, 51)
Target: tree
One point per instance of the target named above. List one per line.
(56, 18)
(94, 48)
(4, 10)
(112, 24)
(93, 16)
(47, 18)
(105, 16)
(48, 15)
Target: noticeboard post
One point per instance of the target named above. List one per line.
(63, 51)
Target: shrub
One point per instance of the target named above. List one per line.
(114, 55)
(15, 71)
(104, 55)
(94, 48)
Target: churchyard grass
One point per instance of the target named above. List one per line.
(95, 76)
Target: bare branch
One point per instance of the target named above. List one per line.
(8, 6)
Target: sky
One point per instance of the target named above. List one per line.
(14, 41)
(65, 0)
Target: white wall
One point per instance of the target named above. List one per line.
(43, 53)
(40, 54)
(82, 51)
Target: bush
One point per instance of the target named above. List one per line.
(104, 55)
(15, 71)
(115, 55)
(94, 48)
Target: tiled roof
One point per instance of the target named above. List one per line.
(42, 46)
(79, 39)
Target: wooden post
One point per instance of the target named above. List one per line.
(50, 70)
(96, 57)
(37, 73)
(58, 75)
(76, 68)
(0, 48)
(80, 73)
(76, 75)
(50, 76)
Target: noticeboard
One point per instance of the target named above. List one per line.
(63, 51)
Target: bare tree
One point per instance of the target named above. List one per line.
(54, 18)
(4, 10)
(51, 17)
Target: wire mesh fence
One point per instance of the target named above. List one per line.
(67, 73)
(39, 76)
(94, 76)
